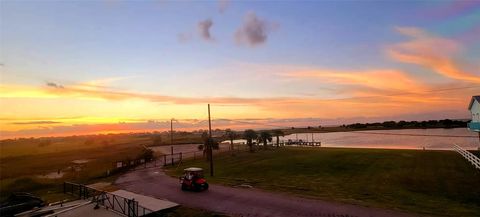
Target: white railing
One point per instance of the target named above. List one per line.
(469, 156)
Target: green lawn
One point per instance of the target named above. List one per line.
(426, 182)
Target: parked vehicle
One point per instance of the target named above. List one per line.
(19, 202)
(192, 179)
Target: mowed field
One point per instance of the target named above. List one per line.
(439, 183)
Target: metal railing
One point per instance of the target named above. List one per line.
(469, 156)
(118, 204)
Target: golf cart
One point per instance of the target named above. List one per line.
(192, 179)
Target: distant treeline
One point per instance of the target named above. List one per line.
(446, 123)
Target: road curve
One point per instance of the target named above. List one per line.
(240, 202)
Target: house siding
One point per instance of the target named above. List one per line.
(475, 111)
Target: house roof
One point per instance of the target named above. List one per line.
(477, 98)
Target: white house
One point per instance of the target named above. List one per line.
(474, 108)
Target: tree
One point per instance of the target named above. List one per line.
(402, 124)
(230, 134)
(250, 135)
(208, 143)
(447, 123)
(265, 137)
(278, 133)
(146, 154)
(389, 124)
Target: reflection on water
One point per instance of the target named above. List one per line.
(396, 139)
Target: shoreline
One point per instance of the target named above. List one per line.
(340, 129)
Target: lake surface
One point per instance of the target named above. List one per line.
(439, 139)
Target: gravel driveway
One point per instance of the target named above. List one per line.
(240, 201)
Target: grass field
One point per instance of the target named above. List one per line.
(426, 182)
(24, 161)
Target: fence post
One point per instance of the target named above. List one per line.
(127, 207)
(136, 209)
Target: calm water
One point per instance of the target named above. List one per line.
(403, 139)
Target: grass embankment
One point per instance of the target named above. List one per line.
(426, 182)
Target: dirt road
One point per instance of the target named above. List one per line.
(240, 201)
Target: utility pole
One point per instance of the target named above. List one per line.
(210, 141)
(171, 139)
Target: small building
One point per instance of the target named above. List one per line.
(474, 108)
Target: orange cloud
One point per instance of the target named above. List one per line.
(109, 116)
(432, 52)
(370, 94)
(387, 79)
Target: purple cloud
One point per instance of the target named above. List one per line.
(254, 31)
(204, 29)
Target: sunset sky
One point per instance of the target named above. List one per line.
(82, 67)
